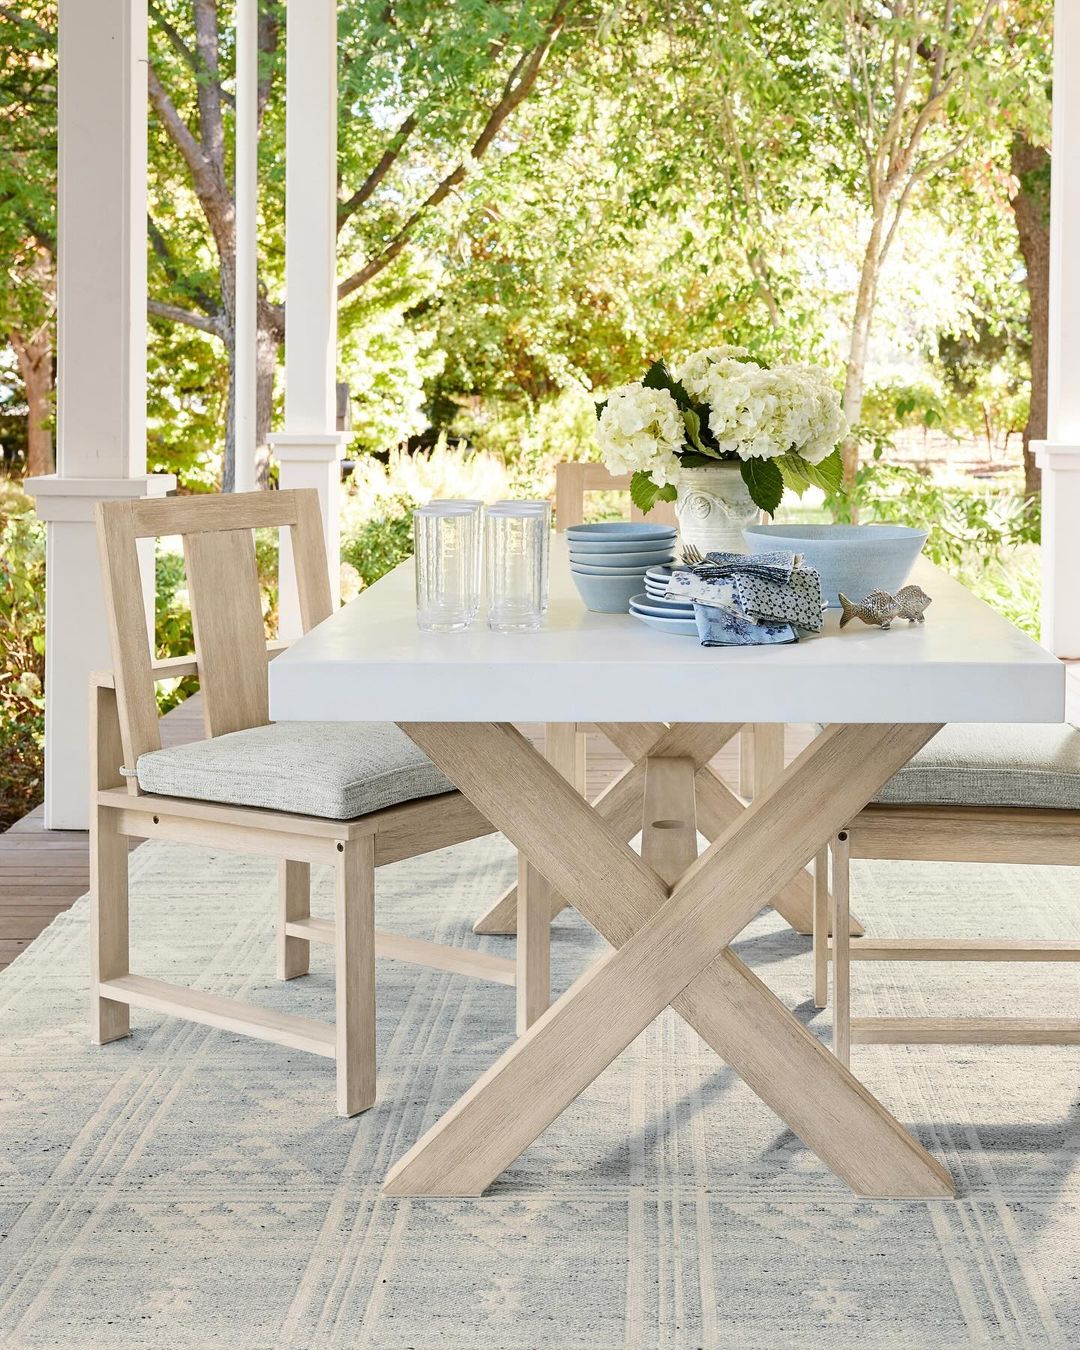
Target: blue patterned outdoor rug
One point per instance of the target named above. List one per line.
(191, 1188)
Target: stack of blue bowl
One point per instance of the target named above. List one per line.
(609, 561)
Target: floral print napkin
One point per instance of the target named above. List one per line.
(750, 599)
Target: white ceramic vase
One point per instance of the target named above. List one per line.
(713, 505)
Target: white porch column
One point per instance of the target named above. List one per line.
(309, 450)
(101, 378)
(1059, 455)
(246, 159)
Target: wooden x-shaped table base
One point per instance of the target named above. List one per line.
(670, 916)
(622, 803)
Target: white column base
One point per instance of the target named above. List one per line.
(76, 632)
(309, 460)
(1060, 465)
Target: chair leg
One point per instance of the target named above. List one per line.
(821, 929)
(841, 948)
(294, 902)
(354, 970)
(109, 1020)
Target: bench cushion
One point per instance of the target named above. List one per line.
(981, 764)
(336, 770)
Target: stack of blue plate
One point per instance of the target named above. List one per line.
(669, 616)
(656, 580)
(609, 562)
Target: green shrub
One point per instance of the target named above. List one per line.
(985, 537)
(22, 655)
(377, 546)
(376, 516)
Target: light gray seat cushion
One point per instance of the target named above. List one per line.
(977, 764)
(336, 770)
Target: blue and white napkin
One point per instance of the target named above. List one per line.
(750, 599)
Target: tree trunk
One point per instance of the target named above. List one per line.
(1031, 211)
(860, 344)
(34, 353)
(268, 337)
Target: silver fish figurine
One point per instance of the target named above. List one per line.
(912, 600)
(879, 608)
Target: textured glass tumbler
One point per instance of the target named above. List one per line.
(447, 568)
(542, 508)
(477, 509)
(516, 551)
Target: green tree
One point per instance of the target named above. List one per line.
(28, 211)
(426, 90)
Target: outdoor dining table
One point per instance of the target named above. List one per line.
(670, 915)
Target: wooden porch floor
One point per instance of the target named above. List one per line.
(43, 872)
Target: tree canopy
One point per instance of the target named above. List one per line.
(538, 198)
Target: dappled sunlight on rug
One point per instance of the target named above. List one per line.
(188, 1187)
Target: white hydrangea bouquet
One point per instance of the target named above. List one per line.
(782, 424)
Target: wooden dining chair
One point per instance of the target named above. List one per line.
(573, 481)
(975, 793)
(761, 745)
(352, 796)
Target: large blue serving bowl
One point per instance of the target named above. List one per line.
(853, 559)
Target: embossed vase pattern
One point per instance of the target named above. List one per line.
(713, 506)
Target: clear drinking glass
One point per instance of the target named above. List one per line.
(477, 509)
(447, 567)
(540, 507)
(516, 551)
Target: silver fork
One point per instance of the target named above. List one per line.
(691, 555)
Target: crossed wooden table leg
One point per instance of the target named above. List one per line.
(621, 805)
(670, 918)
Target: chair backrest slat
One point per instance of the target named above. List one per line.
(223, 587)
(220, 511)
(230, 640)
(309, 561)
(574, 479)
(122, 584)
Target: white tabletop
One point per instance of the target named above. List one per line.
(369, 662)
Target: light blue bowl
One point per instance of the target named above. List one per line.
(680, 627)
(647, 557)
(853, 559)
(598, 570)
(607, 594)
(630, 532)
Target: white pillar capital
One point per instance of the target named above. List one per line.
(1056, 456)
(305, 448)
(74, 499)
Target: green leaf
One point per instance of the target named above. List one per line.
(791, 470)
(659, 377)
(764, 481)
(645, 494)
(690, 459)
(692, 422)
(799, 474)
